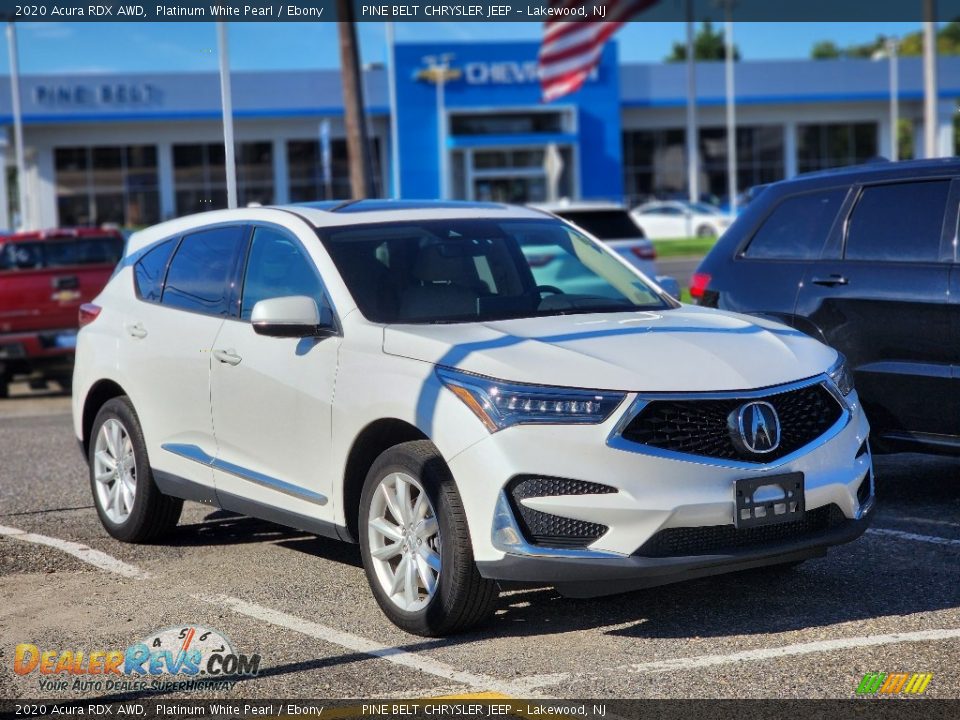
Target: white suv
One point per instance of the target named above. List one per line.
(395, 374)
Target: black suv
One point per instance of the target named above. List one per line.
(865, 259)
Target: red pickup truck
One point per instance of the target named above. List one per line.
(44, 278)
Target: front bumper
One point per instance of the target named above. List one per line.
(585, 576)
(653, 493)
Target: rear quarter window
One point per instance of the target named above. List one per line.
(900, 222)
(150, 270)
(797, 228)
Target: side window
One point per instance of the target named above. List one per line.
(200, 277)
(21, 256)
(277, 267)
(149, 271)
(797, 228)
(105, 250)
(898, 223)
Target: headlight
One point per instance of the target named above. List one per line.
(500, 404)
(841, 376)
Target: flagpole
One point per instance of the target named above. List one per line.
(227, 107)
(731, 113)
(693, 179)
(17, 126)
(394, 129)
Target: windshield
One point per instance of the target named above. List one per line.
(604, 224)
(705, 208)
(482, 270)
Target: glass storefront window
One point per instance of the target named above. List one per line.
(107, 184)
(825, 146)
(507, 123)
(199, 174)
(305, 170)
(655, 164)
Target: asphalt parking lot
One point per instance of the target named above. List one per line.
(889, 602)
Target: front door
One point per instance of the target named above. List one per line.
(272, 396)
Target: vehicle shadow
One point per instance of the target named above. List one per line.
(859, 581)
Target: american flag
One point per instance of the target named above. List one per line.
(571, 48)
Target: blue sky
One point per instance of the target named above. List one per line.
(55, 47)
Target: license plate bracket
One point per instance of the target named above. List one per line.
(769, 500)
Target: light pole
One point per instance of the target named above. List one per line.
(438, 67)
(394, 130)
(892, 56)
(731, 110)
(930, 79)
(226, 100)
(17, 127)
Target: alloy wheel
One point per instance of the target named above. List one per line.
(115, 471)
(404, 540)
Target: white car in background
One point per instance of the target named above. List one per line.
(393, 374)
(668, 219)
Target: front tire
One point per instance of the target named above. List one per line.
(705, 231)
(416, 545)
(130, 506)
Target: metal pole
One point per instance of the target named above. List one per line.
(226, 99)
(22, 222)
(731, 114)
(394, 129)
(894, 99)
(929, 79)
(693, 179)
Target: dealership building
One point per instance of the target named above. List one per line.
(135, 149)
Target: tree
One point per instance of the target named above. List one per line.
(354, 117)
(825, 50)
(707, 45)
(910, 45)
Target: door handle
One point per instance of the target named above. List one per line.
(228, 357)
(137, 330)
(830, 281)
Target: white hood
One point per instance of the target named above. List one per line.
(689, 349)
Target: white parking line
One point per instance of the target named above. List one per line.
(901, 535)
(705, 661)
(925, 521)
(359, 644)
(81, 552)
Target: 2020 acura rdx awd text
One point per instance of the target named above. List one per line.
(395, 374)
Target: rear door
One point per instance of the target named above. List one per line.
(880, 295)
(168, 337)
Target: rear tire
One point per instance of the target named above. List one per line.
(130, 506)
(4, 387)
(447, 595)
(705, 231)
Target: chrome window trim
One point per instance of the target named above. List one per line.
(197, 454)
(616, 440)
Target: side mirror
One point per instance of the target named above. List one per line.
(669, 285)
(296, 316)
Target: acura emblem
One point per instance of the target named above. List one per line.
(755, 428)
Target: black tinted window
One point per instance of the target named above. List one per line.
(898, 223)
(149, 271)
(798, 227)
(200, 277)
(21, 256)
(604, 224)
(83, 251)
(277, 267)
